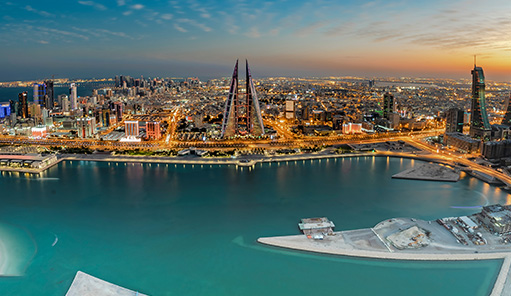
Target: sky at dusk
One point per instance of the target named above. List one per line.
(79, 39)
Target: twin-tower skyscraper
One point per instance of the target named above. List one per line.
(242, 114)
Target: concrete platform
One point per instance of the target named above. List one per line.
(429, 172)
(87, 285)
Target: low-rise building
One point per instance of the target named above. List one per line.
(462, 142)
(316, 227)
(497, 218)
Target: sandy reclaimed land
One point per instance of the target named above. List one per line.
(87, 285)
(372, 243)
(429, 172)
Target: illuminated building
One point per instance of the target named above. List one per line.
(507, 117)
(131, 128)
(290, 109)
(389, 105)
(39, 132)
(86, 127)
(5, 110)
(118, 107)
(73, 96)
(14, 111)
(497, 218)
(479, 125)
(496, 149)
(462, 142)
(49, 98)
(65, 104)
(39, 93)
(454, 120)
(105, 117)
(153, 130)
(352, 128)
(242, 116)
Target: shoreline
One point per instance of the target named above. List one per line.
(243, 162)
(368, 243)
(501, 284)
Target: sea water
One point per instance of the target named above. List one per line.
(192, 230)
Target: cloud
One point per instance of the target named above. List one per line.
(195, 24)
(126, 13)
(137, 6)
(203, 12)
(180, 29)
(166, 16)
(340, 29)
(38, 11)
(253, 33)
(113, 33)
(121, 2)
(101, 33)
(97, 6)
(43, 42)
(62, 33)
(312, 28)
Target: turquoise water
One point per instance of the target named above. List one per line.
(174, 230)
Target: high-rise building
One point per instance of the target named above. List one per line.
(479, 125)
(507, 117)
(153, 130)
(49, 98)
(73, 96)
(105, 117)
(39, 93)
(290, 109)
(242, 116)
(86, 127)
(389, 105)
(118, 107)
(5, 110)
(14, 107)
(23, 105)
(131, 128)
(454, 120)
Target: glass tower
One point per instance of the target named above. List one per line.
(479, 125)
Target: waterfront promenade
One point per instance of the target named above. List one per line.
(252, 160)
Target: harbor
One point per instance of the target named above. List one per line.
(169, 213)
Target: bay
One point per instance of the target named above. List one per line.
(192, 230)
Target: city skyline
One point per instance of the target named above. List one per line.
(201, 38)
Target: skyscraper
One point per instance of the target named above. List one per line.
(479, 125)
(454, 120)
(507, 117)
(23, 105)
(389, 105)
(73, 96)
(49, 98)
(39, 93)
(242, 116)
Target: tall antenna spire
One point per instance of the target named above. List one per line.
(475, 60)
